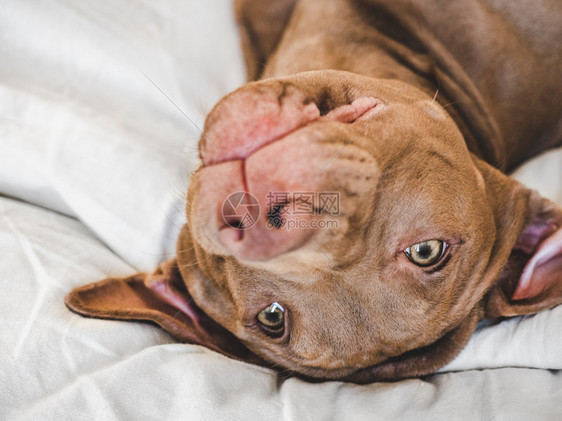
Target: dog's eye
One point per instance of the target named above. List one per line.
(272, 317)
(426, 253)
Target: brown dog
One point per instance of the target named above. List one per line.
(403, 111)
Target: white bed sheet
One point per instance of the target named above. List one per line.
(100, 105)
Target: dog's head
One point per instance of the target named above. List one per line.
(339, 228)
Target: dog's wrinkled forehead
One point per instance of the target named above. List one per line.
(325, 311)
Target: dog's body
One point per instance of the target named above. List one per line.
(403, 109)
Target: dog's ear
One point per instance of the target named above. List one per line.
(529, 235)
(161, 298)
(261, 24)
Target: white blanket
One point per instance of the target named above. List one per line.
(101, 104)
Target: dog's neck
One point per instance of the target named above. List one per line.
(394, 44)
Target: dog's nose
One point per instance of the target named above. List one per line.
(251, 118)
(255, 116)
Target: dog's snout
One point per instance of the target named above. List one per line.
(256, 227)
(264, 206)
(254, 117)
(250, 119)
(271, 161)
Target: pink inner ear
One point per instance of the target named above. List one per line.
(170, 294)
(543, 270)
